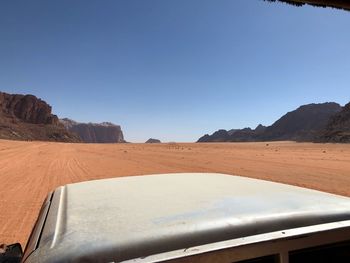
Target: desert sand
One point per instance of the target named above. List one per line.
(29, 170)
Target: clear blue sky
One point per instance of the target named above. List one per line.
(174, 70)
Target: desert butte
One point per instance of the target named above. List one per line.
(30, 170)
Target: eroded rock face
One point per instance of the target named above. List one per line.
(302, 124)
(26, 108)
(338, 127)
(105, 132)
(26, 117)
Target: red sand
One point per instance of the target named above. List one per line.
(29, 170)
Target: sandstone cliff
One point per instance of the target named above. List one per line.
(26, 117)
(105, 132)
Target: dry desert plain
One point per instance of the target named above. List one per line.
(29, 170)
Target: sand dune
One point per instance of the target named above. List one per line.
(29, 170)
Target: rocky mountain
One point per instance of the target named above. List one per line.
(105, 132)
(260, 128)
(302, 124)
(218, 136)
(234, 135)
(248, 134)
(151, 140)
(232, 131)
(26, 117)
(338, 127)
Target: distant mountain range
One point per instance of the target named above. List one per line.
(325, 122)
(234, 135)
(26, 117)
(104, 132)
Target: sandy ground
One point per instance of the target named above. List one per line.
(29, 170)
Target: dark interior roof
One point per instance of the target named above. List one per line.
(340, 4)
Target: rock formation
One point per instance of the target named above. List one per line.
(248, 134)
(234, 135)
(338, 127)
(26, 117)
(151, 140)
(302, 124)
(26, 108)
(218, 136)
(105, 132)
